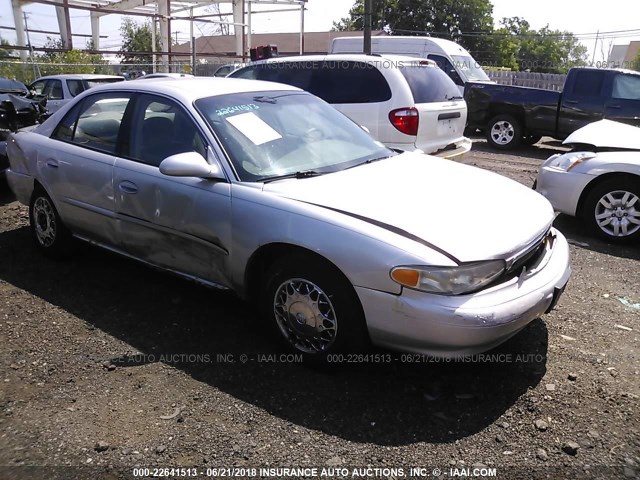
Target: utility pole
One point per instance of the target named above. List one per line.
(367, 26)
(593, 59)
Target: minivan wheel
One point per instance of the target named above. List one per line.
(612, 210)
(312, 308)
(50, 234)
(504, 132)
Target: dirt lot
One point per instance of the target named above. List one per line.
(106, 365)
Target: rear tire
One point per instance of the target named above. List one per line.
(312, 308)
(612, 210)
(50, 234)
(504, 132)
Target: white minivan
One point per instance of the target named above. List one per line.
(449, 56)
(406, 103)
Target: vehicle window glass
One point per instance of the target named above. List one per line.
(588, 83)
(626, 87)
(99, 122)
(65, 129)
(38, 87)
(270, 134)
(75, 87)
(162, 128)
(250, 73)
(349, 82)
(54, 90)
(100, 81)
(223, 71)
(429, 84)
(296, 74)
(447, 67)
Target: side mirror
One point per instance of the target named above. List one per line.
(189, 164)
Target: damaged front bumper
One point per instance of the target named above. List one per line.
(450, 326)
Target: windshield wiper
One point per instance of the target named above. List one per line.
(371, 160)
(300, 174)
(455, 97)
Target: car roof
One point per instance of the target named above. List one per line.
(76, 76)
(190, 89)
(341, 56)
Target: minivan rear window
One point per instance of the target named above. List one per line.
(429, 84)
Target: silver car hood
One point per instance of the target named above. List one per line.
(607, 134)
(469, 213)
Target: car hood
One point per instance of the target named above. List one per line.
(467, 212)
(607, 134)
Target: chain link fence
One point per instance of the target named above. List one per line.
(28, 71)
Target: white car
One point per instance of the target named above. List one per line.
(601, 184)
(404, 102)
(60, 89)
(266, 190)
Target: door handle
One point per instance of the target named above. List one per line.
(614, 106)
(52, 164)
(128, 187)
(571, 101)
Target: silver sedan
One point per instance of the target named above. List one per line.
(267, 190)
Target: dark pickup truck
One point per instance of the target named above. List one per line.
(511, 116)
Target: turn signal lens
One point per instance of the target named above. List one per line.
(406, 277)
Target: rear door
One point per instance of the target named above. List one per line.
(442, 111)
(584, 101)
(76, 164)
(624, 104)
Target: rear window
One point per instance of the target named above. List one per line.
(429, 84)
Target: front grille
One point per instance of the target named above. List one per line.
(529, 257)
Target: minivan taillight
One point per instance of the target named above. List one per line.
(405, 120)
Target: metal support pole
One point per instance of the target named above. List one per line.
(18, 20)
(302, 29)
(367, 26)
(95, 30)
(249, 25)
(153, 41)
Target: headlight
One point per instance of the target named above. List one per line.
(570, 160)
(465, 278)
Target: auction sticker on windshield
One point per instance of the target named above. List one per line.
(254, 128)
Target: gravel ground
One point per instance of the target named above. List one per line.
(107, 365)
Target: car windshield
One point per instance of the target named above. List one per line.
(271, 135)
(470, 68)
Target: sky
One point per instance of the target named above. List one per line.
(583, 18)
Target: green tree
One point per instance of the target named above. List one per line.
(463, 21)
(136, 38)
(70, 61)
(550, 51)
(635, 65)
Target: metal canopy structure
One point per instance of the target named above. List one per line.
(163, 11)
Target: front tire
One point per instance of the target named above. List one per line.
(50, 234)
(504, 132)
(312, 308)
(612, 210)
